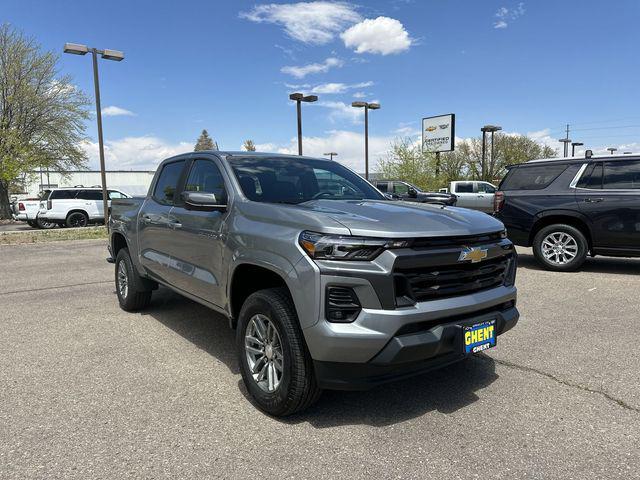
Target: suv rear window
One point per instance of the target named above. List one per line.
(531, 178)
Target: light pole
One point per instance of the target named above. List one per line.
(491, 129)
(612, 149)
(331, 155)
(367, 106)
(77, 49)
(299, 98)
(566, 142)
(573, 147)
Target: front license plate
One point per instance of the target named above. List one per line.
(479, 337)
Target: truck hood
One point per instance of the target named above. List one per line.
(396, 219)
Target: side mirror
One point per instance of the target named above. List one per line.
(202, 201)
(412, 192)
(391, 196)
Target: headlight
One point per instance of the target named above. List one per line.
(320, 246)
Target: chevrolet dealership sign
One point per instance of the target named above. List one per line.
(438, 133)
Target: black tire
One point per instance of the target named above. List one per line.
(44, 224)
(136, 295)
(32, 224)
(561, 231)
(77, 219)
(297, 389)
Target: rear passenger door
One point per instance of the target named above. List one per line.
(155, 224)
(609, 194)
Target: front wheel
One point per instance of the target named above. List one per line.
(44, 224)
(275, 364)
(560, 248)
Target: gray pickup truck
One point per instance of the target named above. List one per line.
(328, 283)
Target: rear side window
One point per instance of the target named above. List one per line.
(90, 195)
(167, 183)
(531, 178)
(592, 177)
(466, 187)
(382, 186)
(624, 175)
(63, 194)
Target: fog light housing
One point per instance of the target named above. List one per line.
(341, 305)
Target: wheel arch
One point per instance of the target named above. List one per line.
(567, 217)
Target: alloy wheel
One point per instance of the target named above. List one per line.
(123, 280)
(559, 248)
(263, 349)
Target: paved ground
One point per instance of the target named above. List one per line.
(15, 227)
(89, 391)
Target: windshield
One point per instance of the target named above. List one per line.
(289, 180)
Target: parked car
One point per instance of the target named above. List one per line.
(339, 289)
(27, 210)
(567, 209)
(77, 206)
(474, 194)
(401, 190)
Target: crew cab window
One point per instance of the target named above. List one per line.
(167, 183)
(486, 188)
(531, 178)
(205, 177)
(90, 195)
(63, 194)
(623, 175)
(465, 187)
(400, 188)
(382, 186)
(592, 177)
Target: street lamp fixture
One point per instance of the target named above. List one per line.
(612, 149)
(367, 106)
(487, 129)
(331, 155)
(299, 98)
(107, 54)
(573, 147)
(566, 142)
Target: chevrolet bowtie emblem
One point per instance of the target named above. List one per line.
(472, 254)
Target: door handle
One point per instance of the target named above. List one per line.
(176, 225)
(593, 200)
(146, 219)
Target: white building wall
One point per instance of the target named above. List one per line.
(133, 183)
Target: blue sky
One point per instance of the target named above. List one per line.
(228, 66)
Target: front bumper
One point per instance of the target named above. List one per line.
(411, 354)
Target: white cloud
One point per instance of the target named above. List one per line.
(134, 153)
(301, 71)
(343, 111)
(506, 15)
(113, 111)
(381, 35)
(329, 88)
(359, 95)
(349, 146)
(309, 22)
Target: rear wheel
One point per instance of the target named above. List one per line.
(77, 219)
(274, 362)
(32, 224)
(560, 247)
(44, 224)
(133, 294)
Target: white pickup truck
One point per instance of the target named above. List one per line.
(474, 194)
(77, 206)
(27, 209)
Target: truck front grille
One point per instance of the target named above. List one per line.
(436, 282)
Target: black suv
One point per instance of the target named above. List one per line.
(401, 190)
(568, 208)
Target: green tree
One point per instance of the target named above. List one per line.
(249, 146)
(205, 142)
(406, 161)
(42, 114)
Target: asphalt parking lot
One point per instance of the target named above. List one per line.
(89, 391)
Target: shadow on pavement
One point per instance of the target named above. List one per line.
(624, 266)
(446, 390)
